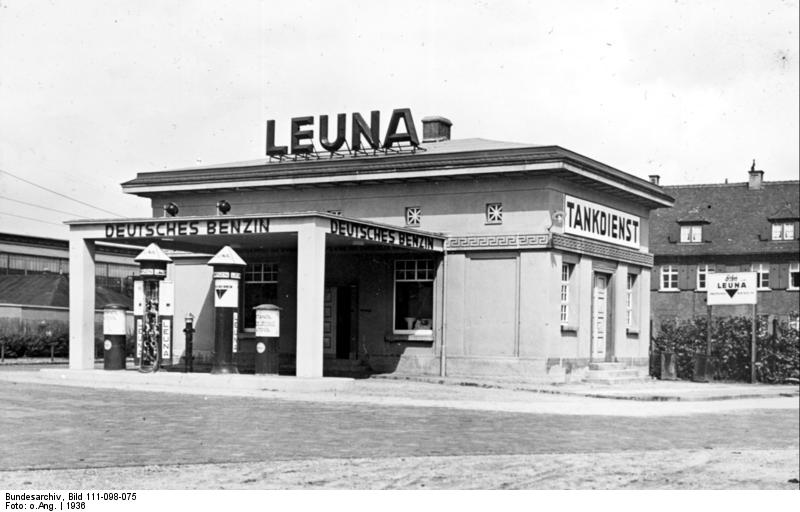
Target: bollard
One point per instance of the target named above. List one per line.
(113, 337)
(188, 358)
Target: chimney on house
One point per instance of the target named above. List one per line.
(435, 129)
(654, 179)
(756, 181)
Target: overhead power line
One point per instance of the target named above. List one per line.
(43, 207)
(31, 218)
(60, 194)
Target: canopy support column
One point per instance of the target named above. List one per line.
(81, 302)
(310, 298)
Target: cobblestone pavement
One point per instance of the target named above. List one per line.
(60, 427)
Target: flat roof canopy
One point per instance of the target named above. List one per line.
(206, 234)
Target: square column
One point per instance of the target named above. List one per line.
(310, 298)
(81, 302)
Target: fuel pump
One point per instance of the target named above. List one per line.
(153, 310)
(227, 267)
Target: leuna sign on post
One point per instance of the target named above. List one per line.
(731, 289)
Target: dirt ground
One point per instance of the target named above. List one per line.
(674, 469)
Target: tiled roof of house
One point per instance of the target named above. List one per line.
(735, 219)
(50, 290)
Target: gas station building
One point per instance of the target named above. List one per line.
(470, 257)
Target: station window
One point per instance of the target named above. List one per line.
(692, 234)
(494, 213)
(794, 276)
(702, 276)
(762, 275)
(260, 287)
(783, 230)
(669, 277)
(413, 216)
(413, 296)
(566, 276)
(632, 302)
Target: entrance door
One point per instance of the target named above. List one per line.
(341, 321)
(599, 317)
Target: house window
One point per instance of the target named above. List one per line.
(413, 215)
(691, 234)
(566, 276)
(794, 276)
(669, 277)
(413, 296)
(783, 230)
(702, 276)
(762, 275)
(794, 321)
(260, 287)
(494, 213)
(632, 302)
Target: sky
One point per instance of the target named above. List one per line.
(94, 92)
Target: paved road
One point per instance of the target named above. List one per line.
(60, 427)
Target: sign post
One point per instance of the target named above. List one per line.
(731, 289)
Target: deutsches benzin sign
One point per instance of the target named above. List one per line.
(146, 229)
(382, 235)
(592, 220)
(731, 289)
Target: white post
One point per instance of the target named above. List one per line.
(310, 298)
(81, 302)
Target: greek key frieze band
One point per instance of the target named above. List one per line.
(544, 241)
(602, 250)
(476, 242)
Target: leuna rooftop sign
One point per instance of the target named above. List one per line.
(301, 133)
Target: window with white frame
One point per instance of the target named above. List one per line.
(794, 276)
(783, 230)
(692, 234)
(566, 277)
(494, 213)
(413, 296)
(669, 277)
(260, 287)
(632, 302)
(794, 321)
(702, 276)
(762, 275)
(413, 216)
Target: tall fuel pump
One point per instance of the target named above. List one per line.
(153, 310)
(227, 274)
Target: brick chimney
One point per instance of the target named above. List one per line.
(654, 179)
(435, 129)
(756, 178)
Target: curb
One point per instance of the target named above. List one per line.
(654, 397)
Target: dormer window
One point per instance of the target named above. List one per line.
(692, 233)
(783, 230)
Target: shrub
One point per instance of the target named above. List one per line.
(25, 338)
(777, 354)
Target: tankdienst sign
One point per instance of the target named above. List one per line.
(592, 220)
(732, 288)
